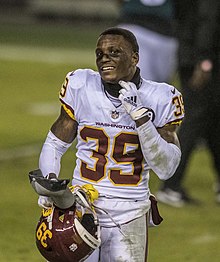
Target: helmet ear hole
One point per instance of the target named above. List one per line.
(89, 224)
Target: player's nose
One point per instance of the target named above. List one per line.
(105, 57)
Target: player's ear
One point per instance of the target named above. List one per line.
(135, 58)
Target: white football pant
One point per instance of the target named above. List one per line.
(129, 246)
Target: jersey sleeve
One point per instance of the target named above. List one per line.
(170, 111)
(73, 82)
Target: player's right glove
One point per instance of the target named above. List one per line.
(131, 101)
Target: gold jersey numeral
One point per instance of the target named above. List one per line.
(43, 233)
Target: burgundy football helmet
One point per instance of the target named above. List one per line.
(67, 235)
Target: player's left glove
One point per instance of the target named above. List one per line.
(91, 193)
(131, 101)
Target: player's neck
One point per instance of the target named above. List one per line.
(113, 89)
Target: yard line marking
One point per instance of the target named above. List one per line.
(23, 151)
(19, 152)
(44, 109)
(206, 238)
(50, 55)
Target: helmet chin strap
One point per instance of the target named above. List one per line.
(112, 219)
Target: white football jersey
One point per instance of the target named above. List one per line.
(108, 150)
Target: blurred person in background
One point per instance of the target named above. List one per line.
(153, 22)
(199, 71)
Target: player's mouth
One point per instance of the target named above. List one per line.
(107, 68)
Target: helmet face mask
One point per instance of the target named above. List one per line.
(67, 235)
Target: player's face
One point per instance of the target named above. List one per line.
(115, 58)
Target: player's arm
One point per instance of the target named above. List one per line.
(58, 140)
(168, 133)
(160, 147)
(65, 127)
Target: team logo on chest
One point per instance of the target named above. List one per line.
(114, 114)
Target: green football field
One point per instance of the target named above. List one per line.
(34, 60)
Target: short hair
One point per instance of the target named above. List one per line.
(128, 35)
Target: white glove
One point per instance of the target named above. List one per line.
(45, 202)
(131, 101)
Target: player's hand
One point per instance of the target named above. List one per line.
(88, 191)
(91, 192)
(131, 101)
(45, 202)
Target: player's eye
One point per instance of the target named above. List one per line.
(114, 52)
(99, 54)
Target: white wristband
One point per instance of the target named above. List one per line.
(51, 154)
(162, 157)
(139, 113)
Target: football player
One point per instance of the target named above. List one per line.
(125, 126)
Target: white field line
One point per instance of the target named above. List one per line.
(23, 151)
(206, 238)
(19, 152)
(47, 55)
(44, 109)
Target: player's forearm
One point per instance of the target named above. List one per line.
(162, 157)
(142, 121)
(51, 154)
